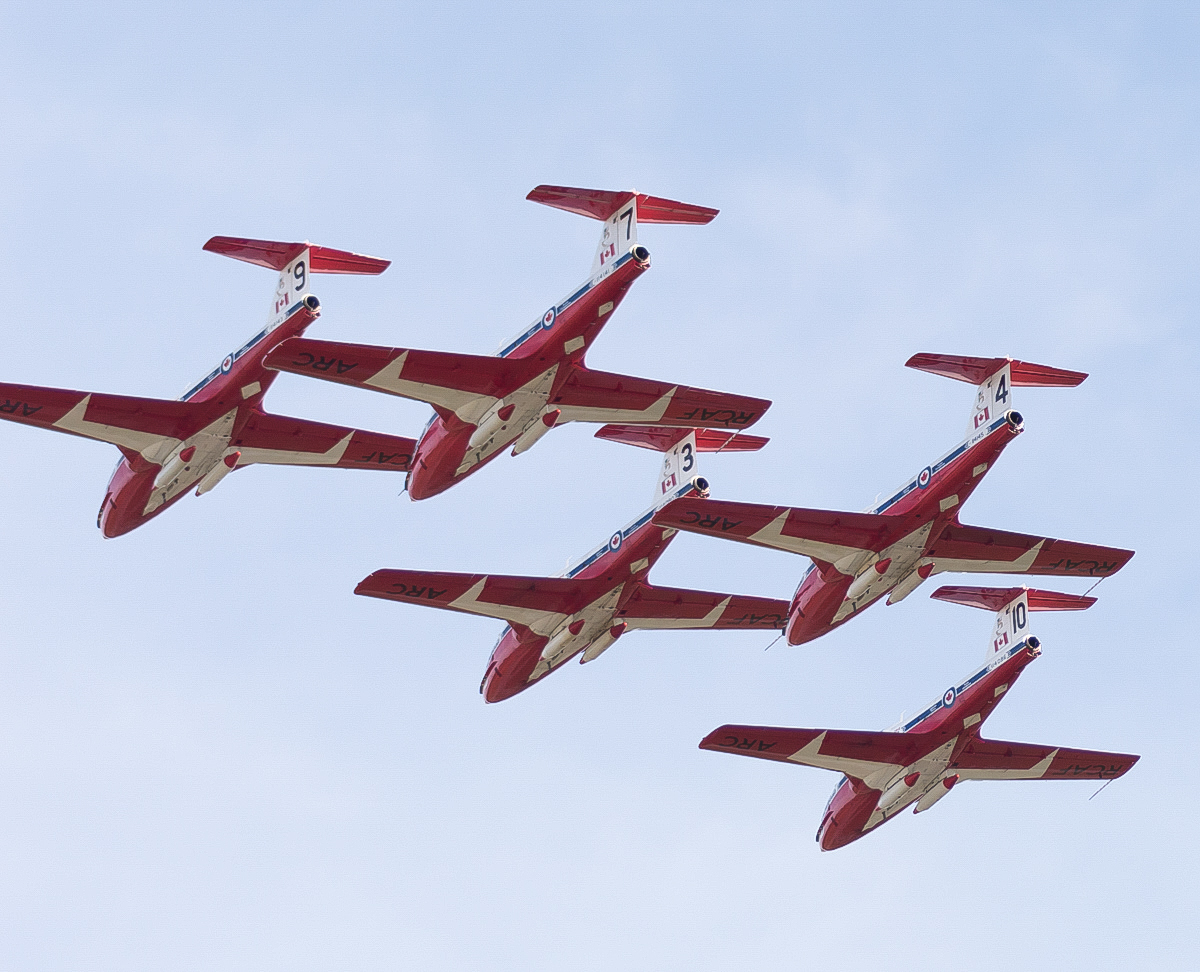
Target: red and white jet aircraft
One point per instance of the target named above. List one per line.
(538, 380)
(169, 446)
(891, 549)
(590, 605)
(922, 759)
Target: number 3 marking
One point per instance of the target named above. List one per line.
(688, 461)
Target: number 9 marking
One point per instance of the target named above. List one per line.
(301, 276)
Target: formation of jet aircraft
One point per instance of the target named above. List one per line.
(483, 405)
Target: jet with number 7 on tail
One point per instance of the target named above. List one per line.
(589, 606)
(538, 380)
(857, 558)
(921, 760)
(170, 446)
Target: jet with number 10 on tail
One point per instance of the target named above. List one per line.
(921, 760)
(537, 381)
(170, 446)
(857, 558)
(593, 603)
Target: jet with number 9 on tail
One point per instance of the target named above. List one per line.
(921, 760)
(857, 558)
(537, 381)
(589, 606)
(170, 446)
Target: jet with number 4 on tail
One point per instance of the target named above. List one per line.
(919, 761)
(587, 608)
(857, 558)
(170, 446)
(482, 405)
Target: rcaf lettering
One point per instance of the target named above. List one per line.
(1092, 567)
(708, 521)
(10, 407)
(322, 363)
(388, 458)
(757, 621)
(713, 415)
(736, 742)
(1101, 771)
(412, 590)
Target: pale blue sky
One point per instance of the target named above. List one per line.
(214, 756)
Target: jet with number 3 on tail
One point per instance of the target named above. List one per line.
(857, 558)
(537, 381)
(587, 608)
(170, 446)
(918, 762)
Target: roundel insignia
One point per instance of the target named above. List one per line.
(227, 364)
(548, 318)
(923, 478)
(949, 697)
(614, 542)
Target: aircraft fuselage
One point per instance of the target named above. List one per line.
(829, 595)
(952, 723)
(142, 486)
(454, 445)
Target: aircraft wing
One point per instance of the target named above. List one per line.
(977, 550)
(135, 424)
(540, 603)
(599, 396)
(870, 756)
(444, 380)
(283, 440)
(989, 759)
(672, 607)
(827, 535)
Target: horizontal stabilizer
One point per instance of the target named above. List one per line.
(660, 438)
(601, 203)
(977, 370)
(995, 598)
(276, 256)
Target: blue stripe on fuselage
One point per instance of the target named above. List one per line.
(559, 308)
(959, 689)
(626, 532)
(204, 382)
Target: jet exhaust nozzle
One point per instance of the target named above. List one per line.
(700, 485)
(312, 303)
(1016, 421)
(641, 256)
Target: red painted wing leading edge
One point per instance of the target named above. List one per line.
(671, 607)
(283, 440)
(600, 396)
(441, 589)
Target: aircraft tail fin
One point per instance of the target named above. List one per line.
(621, 212)
(678, 471)
(995, 378)
(1012, 606)
(294, 261)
